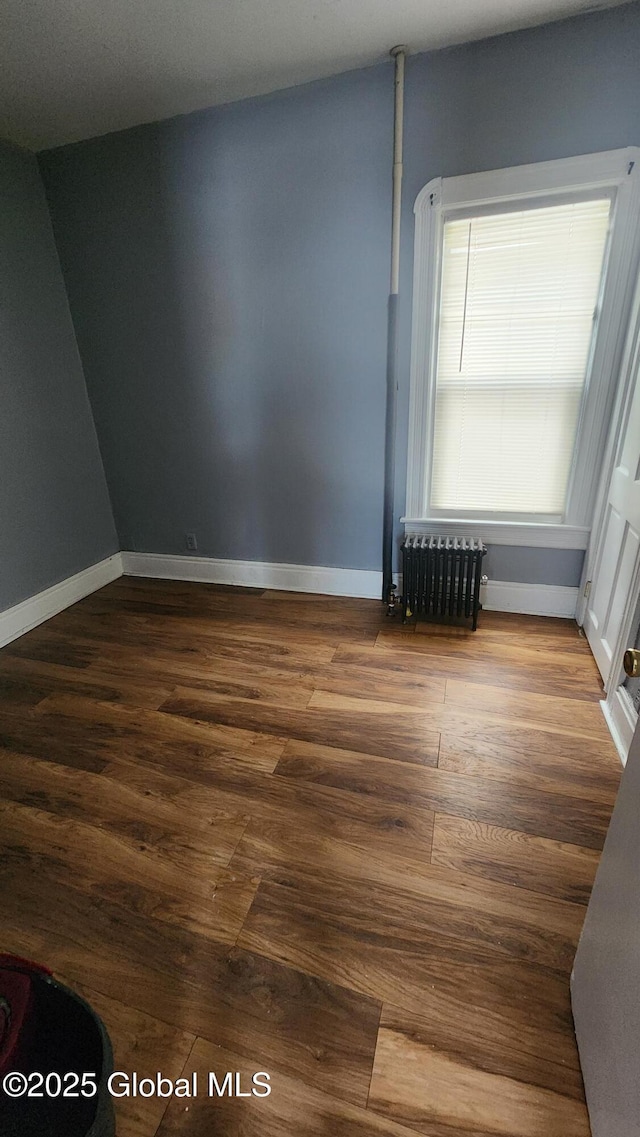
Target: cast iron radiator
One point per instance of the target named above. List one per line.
(441, 578)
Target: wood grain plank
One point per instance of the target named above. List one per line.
(444, 1093)
(498, 627)
(33, 680)
(143, 812)
(512, 643)
(575, 766)
(556, 816)
(389, 852)
(364, 705)
(45, 644)
(201, 897)
(485, 923)
(502, 1046)
(185, 592)
(109, 731)
(441, 958)
(292, 811)
(46, 738)
(311, 1029)
(292, 1108)
(517, 667)
(101, 642)
(446, 716)
(153, 633)
(286, 621)
(220, 672)
(416, 691)
(407, 740)
(553, 868)
(547, 709)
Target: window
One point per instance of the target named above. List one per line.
(517, 302)
(520, 297)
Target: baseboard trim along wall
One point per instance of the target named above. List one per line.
(363, 583)
(14, 622)
(497, 595)
(529, 599)
(621, 719)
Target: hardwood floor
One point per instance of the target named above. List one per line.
(272, 832)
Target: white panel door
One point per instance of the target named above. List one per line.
(605, 984)
(614, 580)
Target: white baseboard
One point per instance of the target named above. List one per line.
(498, 595)
(36, 609)
(530, 599)
(258, 574)
(621, 719)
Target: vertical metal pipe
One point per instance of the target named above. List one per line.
(398, 53)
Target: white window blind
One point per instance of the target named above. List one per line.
(518, 298)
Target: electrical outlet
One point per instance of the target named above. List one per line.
(191, 542)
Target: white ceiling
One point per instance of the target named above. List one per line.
(72, 69)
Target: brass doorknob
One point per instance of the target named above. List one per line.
(631, 662)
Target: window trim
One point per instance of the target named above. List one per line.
(615, 172)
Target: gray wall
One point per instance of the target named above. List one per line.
(533, 566)
(55, 516)
(227, 273)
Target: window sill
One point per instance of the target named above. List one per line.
(530, 534)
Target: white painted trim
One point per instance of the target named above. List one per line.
(615, 171)
(621, 719)
(258, 574)
(499, 596)
(426, 295)
(36, 609)
(530, 599)
(496, 596)
(613, 454)
(504, 532)
(597, 170)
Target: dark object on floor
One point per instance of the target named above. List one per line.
(46, 1028)
(441, 578)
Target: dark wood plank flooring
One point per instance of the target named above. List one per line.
(274, 832)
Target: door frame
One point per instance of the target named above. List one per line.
(617, 708)
(621, 718)
(619, 418)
